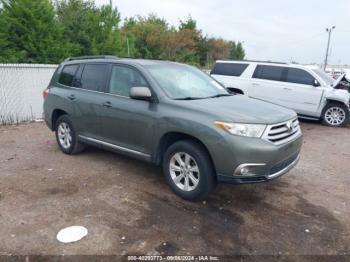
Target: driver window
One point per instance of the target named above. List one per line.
(299, 76)
(123, 78)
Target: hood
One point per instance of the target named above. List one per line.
(241, 109)
(337, 81)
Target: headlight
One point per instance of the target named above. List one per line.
(250, 130)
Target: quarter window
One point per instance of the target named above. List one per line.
(269, 72)
(123, 78)
(229, 69)
(93, 77)
(67, 75)
(299, 76)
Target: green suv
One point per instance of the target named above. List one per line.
(173, 115)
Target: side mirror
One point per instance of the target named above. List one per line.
(141, 93)
(315, 83)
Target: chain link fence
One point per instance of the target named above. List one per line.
(21, 87)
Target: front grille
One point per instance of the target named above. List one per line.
(283, 132)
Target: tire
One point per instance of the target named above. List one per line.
(335, 115)
(66, 136)
(198, 157)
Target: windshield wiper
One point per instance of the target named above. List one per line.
(220, 95)
(189, 98)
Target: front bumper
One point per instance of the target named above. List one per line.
(265, 161)
(277, 171)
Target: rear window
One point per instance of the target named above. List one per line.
(299, 76)
(67, 75)
(94, 77)
(269, 72)
(229, 69)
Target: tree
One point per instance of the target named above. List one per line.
(180, 46)
(29, 33)
(219, 49)
(191, 44)
(236, 51)
(108, 36)
(80, 22)
(148, 34)
(189, 24)
(36, 32)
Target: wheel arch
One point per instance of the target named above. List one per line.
(55, 115)
(330, 101)
(170, 138)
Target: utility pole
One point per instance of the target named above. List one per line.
(329, 30)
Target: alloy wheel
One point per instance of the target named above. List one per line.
(184, 171)
(335, 116)
(65, 135)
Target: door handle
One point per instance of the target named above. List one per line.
(71, 97)
(107, 104)
(287, 88)
(256, 84)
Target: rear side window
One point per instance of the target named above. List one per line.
(94, 77)
(67, 75)
(229, 69)
(299, 76)
(123, 78)
(269, 72)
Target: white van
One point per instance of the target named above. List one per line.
(307, 90)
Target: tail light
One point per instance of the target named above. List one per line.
(45, 93)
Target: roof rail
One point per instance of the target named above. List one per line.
(257, 61)
(90, 57)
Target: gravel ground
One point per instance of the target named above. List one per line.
(128, 209)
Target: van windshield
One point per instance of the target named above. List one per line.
(185, 82)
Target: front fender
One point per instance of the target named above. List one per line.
(338, 95)
(211, 137)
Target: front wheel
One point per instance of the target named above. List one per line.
(188, 170)
(335, 115)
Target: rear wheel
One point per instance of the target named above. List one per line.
(335, 114)
(66, 136)
(188, 170)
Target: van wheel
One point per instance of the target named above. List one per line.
(188, 170)
(335, 114)
(66, 136)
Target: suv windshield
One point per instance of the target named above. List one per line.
(185, 82)
(329, 80)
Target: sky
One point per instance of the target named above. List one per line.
(276, 30)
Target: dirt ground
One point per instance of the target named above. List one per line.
(129, 210)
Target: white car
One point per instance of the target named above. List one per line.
(307, 90)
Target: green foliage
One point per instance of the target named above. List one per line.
(80, 22)
(44, 32)
(236, 51)
(29, 33)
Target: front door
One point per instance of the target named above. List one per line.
(300, 93)
(127, 123)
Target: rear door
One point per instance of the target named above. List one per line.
(267, 85)
(231, 75)
(128, 124)
(89, 97)
(65, 95)
(299, 92)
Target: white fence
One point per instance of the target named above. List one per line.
(21, 87)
